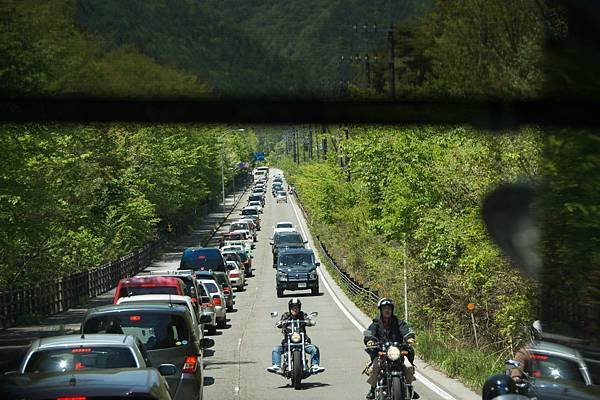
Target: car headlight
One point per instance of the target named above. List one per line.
(313, 275)
(393, 353)
(282, 277)
(296, 337)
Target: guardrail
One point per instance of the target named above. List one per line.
(57, 295)
(362, 294)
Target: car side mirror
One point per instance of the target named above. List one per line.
(206, 343)
(271, 243)
(314, 314)
(305, 242)
(205, 319)
(317, 264)
(274, 314)
(252, 256)
(167, 369)
(512, 363)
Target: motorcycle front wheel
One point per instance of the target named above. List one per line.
(296, 370)
(397, 389)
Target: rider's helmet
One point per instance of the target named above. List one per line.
(294, 302)
(499, 386)
(385, 302)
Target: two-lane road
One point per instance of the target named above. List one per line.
(237, 367)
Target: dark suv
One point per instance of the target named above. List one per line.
(166, 332)
(286, 240)
(297, 270)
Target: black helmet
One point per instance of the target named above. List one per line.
(498, 385)
(294, 301)
(385, 302)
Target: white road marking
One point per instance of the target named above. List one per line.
(436, 389)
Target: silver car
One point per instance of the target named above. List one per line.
(78, 352)
(218, 298)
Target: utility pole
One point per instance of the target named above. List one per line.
(346, 159)
(392, 64)
(325, 148)
(295, 145)
(303, 145)
(310, 145)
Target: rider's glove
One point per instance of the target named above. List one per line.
(411, 341)
(370, 343)
(278, 324)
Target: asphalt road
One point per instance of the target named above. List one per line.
(236, 369)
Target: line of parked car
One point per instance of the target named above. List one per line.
(148, 344)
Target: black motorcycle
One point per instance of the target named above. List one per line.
(294, 360)
(391, 382)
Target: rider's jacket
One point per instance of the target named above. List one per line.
(395, 333)
(287, 316)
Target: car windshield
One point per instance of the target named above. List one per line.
(288, 239)
(250, 211)
(284, 225)
(288, 260)
(156, 330)
(81, 357)
(138, 290)
(555, 368)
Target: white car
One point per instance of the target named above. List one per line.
(282, 197)
(257, 205)
(246, 246)
(236, 277)
(247, 235)
(169, 299)
(245, 224)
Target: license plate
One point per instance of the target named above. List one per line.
(301, 285)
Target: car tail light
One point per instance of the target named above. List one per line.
(211, 304)
(135, 318)
(234, 275)
(217, 300)
(81, 350)
(190, 364)
(539, 357)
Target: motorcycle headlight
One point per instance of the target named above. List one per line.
(393, 353)
(296, 337)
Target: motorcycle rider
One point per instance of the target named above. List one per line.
(388, 328)
(295, 312)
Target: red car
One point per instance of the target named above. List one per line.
(148, 284)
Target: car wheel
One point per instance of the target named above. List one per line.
(221, 322)
(212, 329)
(241, 288)
(230, 308)
(279, 292)
(314, 291)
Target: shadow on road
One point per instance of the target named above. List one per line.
(305, 385)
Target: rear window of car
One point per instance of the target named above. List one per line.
(202, 260)
(284, 226)
(288, 239)
(231, 266)
(211, 287)
(552, 367)
(250, 211)
(155, 330)
(78, 358)
(138, 290)
(253, 198)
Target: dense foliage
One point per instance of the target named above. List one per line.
(73, 197)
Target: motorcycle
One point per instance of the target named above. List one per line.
(294, 360)
(503, 387)
(391, 382)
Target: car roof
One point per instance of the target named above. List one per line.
(203, 249)
(296, 251)
(288, 233)
(86, 340)
(284, 222)
(554, 348)
(132, 307)
(142, 279)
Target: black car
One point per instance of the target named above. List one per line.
(297, 270)
(167, 334)
(126, 383)
(286, 240)
(202, 258)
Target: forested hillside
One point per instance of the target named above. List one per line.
(249, 48)
(74, 197)
(43, 52)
